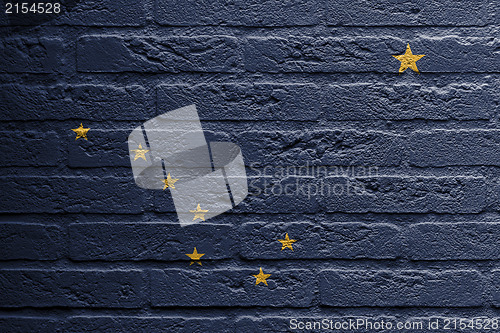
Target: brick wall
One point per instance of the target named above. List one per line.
(304, 83)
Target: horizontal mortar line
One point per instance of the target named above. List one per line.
(74, 313)
(322, 121)
(154, 312)
(62, 213)
(390, 171)
(311, 214)
(261, 307)
(243, 263)
(169, 74)
(67, 308)
(245, 78)
(248, 78)
(159, 27)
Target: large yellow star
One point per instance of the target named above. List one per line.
(199, 213)
(81, 132)
(195, 257)
(169, 182)
(408, 60)
(261, 277)
(140, 153)
(286, 243)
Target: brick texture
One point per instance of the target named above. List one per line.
(31, 241)
(249, 13)
(84, 288)
(235, 287)
(442, 241)
(313, 241)
(33, 148)
(30, 55)
(388, 183)
(401, 288)
(139, 241)
(296, 54)
(425, 13)
(81, 194)
(82, 101)
(151, 55)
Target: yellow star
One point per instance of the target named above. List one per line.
(261, 277)
(286, 243)
(140, 153)
(169, 182)
(81, 132)
(199, 213)
(408, 60)
(195, 257)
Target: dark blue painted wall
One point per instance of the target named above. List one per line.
(399, 220)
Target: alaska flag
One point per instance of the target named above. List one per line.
(369, 137)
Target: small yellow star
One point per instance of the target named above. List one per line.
(81, 132)
(408, 60)
(169, 182)
(286, 243)
(140, 153)
(195, 257)
(261, 277)
(199, 213)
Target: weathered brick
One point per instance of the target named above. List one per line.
(104, 148)
(496, 12)
(495, 283)
(105, 13)
(275, 195)
(162, 202)
(72, 194)
(369, 54)
(240, 101)
(359, 101)
(31, 241)
(332, 147)
(83, 101)
(414, 13)
(29, 148)
(169, 54)
(231, 287)
(71, 288)
(139, 241)
(83, 12)
(455, 147)
(31, 55)
(364, 101)
(149, 324)
(29, 324)
(448, 288)
(443, 241)
(253, 13)
(395, 194)
(379, 194)
(319, 241)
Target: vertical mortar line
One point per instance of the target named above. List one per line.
(211, 157)
(228, 187)
(223, 174)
